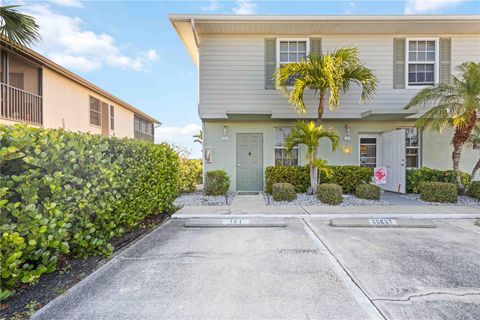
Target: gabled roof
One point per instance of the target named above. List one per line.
(45, 62)
(191, 27)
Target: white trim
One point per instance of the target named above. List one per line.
(436, 63)
(277, 51)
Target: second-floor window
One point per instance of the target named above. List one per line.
(112, 117)
(422, 56)
(143, 129)
(291, 51)
(281, 156)
(95, 113)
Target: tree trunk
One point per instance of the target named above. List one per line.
(461, 136)
(321, 108)
(313, 179)
(475, 169)
(456, 154)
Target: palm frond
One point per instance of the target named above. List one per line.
(19, 28)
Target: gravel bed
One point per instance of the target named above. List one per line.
(462, 201)
(307, 200)
(199, 199)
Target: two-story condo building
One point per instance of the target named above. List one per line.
(245, 119)
(39, 92)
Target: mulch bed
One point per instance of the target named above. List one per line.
(29, 298)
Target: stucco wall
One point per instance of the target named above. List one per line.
(67, 105)
(436, 149)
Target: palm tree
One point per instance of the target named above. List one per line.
(472, 142)
(198, 137)
(327, 73)
(456, 105)
(19, 28)
(309, 134)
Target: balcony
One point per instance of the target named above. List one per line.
(20, 106)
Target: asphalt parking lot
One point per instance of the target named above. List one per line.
(303, 269)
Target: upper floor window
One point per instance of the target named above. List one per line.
(95, 112)
(143, 129)
(422, 62)
(281, 156)
(112, 117)
(291, 51)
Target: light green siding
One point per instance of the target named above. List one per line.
(436, 148)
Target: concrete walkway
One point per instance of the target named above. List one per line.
(400, 200)
(254, 206)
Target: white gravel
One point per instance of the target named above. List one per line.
(198, 199)
(306, 200)
(462, 200)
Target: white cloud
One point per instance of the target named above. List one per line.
(68, 3)
(213, 5)
(245, 7)
(66, 41)
(428, 6)
(182, 137)
(350, 8)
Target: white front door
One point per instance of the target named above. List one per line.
(393, 159)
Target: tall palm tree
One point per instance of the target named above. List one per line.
(198, 137)
(19, 28)
(472, 142)
(455, 104)
(332, 73)
(309, 134)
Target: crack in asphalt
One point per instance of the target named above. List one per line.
(421, 295)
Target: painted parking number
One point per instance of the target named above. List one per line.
(236, 221)
(382, 221)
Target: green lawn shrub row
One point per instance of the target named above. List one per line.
(283, 192)
(444, 192)
(70, 193)
(415, 177)
(330, 193)
(348, 177)
(474, 190)
(190, 175)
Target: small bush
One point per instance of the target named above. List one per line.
(297, 176)
(217, 183)
(474, 190)
(444, 192)
(330, 193)
(415, 177)
(283, 192)
(189, 175)
(368, 191)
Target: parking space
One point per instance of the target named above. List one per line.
(413, 273)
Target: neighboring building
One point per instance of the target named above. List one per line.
(245, 119)
(39, 92)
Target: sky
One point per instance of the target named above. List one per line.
(130, 49)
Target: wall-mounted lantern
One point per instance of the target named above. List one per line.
(225, 133)
(348, 129)
(207, 154)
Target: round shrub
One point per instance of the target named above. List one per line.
(330, 193)
(283, 192)
(474, 190)
(217, 183)
(368, 191)
(438, 192)
(189, 175)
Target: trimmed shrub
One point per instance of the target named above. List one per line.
(283, 192)
(71, 193)
(438, 192)
(217, 183)
(190, 175)
(297, 176)
(348, 177)
(415, 177)
(368, 191)
(330, 193)
(474, 190)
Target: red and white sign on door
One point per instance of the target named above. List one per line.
(380, 175)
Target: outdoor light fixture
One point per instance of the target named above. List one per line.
(225, 133)
(347, 136)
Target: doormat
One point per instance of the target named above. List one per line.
(247, 193)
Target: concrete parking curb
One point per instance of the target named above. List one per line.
(329, 216)
(383, 223)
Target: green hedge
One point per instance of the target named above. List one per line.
(368, 191)
(283, 192)
(330, 193)
(217, 183)
(70, 193)
(348, 177)
(474, 190)
(444, 192)
(415, 177)
(190, 175)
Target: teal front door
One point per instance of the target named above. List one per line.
(249, 161)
